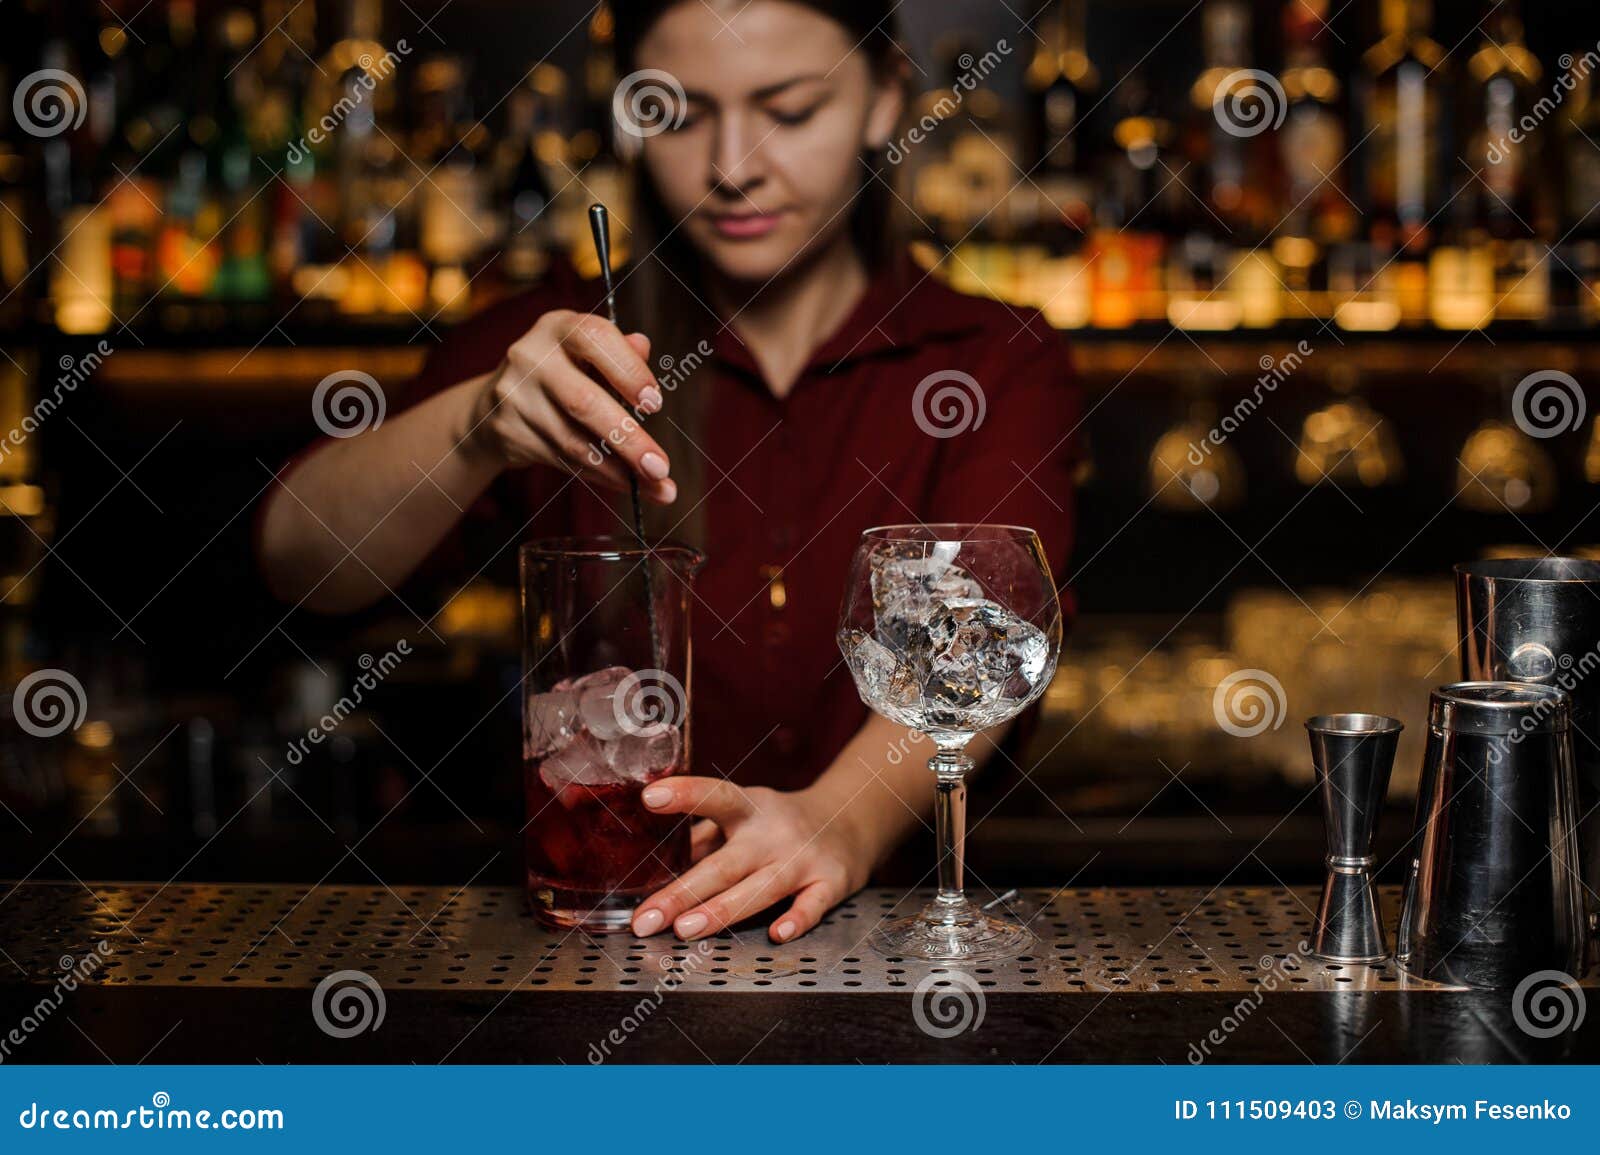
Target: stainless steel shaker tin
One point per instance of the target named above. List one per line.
(1498, 708)
(1493, 894)
(1537, 619)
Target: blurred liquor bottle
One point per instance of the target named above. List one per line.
(1579, 269)
(1060, 82)
(1316, 212)
(14, 214)
(1404, 82)
(238, 172)
(595, 154)
(1509, 217)
(79, 120)
(300, 197)
(979, 212)
(186, 252)
(449, 152)
(375, 179)
(1219, 273)
(529, 148)
(1133, 212)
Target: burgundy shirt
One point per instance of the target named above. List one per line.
(792, 482)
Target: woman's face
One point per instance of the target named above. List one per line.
(779, 104)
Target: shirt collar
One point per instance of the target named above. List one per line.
(903, 307)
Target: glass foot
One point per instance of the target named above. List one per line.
(961, 933)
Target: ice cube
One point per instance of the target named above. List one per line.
(884, 682)
(582, 762)
(982, 652)
(638, 758)
(596, 704)
(550, 721)
(907, 587)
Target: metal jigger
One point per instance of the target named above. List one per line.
(1354, 756)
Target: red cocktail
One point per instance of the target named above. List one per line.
(587, 757)
(605, 713)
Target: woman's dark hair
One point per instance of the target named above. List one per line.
(663, 291)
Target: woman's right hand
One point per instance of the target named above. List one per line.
(549, 404)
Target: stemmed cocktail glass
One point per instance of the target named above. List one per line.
(950, 629)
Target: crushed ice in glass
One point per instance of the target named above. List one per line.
(574, 728)
(942, 655)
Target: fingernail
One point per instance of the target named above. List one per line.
(690, 925)
(783, 932)
(650, 399)
(654, 466)
(669, 491)
(649, 922)
(656, 795)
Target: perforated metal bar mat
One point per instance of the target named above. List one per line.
(431, 938)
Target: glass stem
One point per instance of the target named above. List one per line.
(950, 765)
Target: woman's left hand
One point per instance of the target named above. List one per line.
(753, 847)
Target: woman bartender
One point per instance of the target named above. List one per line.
(763, 259)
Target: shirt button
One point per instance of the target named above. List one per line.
(785, 740)
(776, 635)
